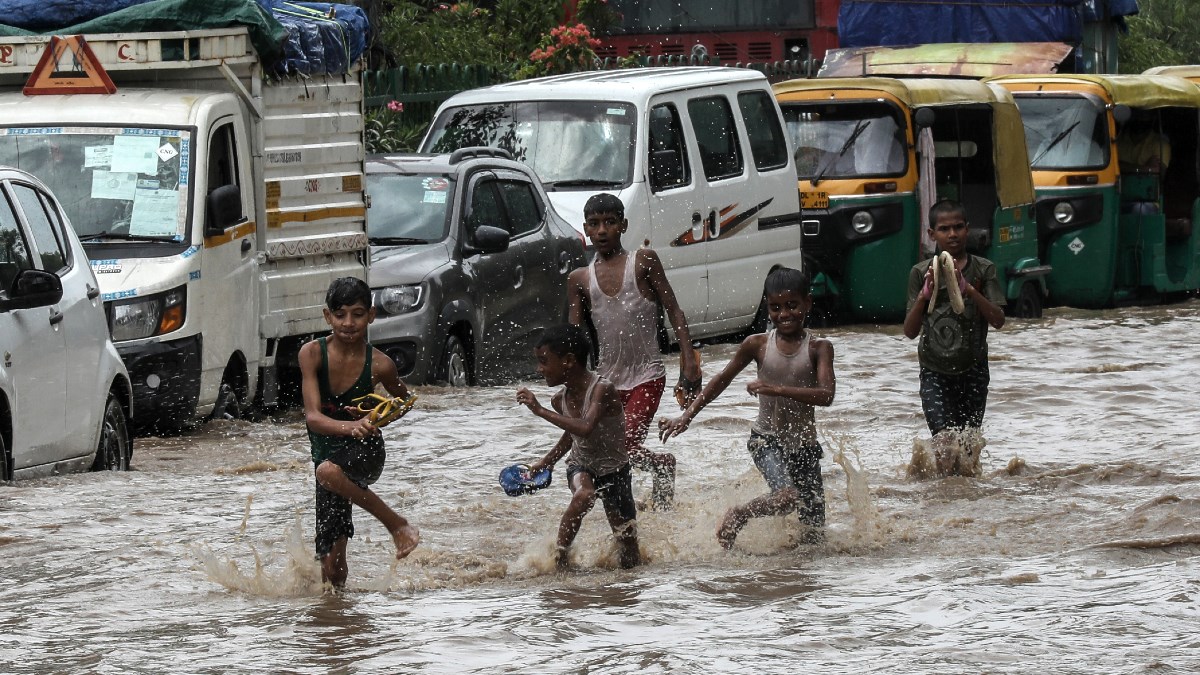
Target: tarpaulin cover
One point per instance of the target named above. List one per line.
(299, 37)
(866, 23)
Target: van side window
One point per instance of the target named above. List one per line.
(716, 134)
(14, 252)
(222, 160)
(767, 144)
(47, 239)
(523, 206)
(485, 209)
(668, 161)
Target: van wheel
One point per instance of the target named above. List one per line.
(116, 447)
(5, 462)
(1028, 304)
(455, 369)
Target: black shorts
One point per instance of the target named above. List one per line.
(799, 467)
(615, 491)
(954, 401)
(362, 462)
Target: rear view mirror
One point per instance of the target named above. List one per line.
(487, 239)
(1121, 113)
(223, 209)
(924, 117)
(33, 288)
(666, 169)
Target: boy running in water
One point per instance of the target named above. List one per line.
(347, 450)
(622, 290)
(588, 410)
(795, 373)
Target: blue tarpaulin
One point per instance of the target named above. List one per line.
(867, 23)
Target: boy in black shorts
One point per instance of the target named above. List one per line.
(588, 410)
(953, 348)
(347, 449)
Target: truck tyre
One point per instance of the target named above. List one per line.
(115, 449)
(455, 369)
(1028, 304)
(5, 462)
(229, 402)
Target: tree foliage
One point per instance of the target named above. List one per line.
(1163, 33)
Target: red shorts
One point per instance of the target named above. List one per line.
(640, 403)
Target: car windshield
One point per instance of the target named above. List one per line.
(115, 184)
(846, 140)
(570, 144)
(408, 208)
(1064, 132)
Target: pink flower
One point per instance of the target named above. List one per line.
(395, 106)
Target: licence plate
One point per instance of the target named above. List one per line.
(814, 200)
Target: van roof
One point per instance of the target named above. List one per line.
(632, 84)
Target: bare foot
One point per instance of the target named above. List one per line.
(730, 526)
(406, 539)
(562, 559)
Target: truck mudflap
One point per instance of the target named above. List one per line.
(166, 381)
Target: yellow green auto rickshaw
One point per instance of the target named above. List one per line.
(872, 154)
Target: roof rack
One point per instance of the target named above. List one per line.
(479, 151)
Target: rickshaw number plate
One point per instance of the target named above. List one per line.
(814, 200)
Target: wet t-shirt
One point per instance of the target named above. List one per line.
(951, 343)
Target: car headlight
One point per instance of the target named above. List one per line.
(1064, 213)
(862, 222)
(146, 317)
(398, 299)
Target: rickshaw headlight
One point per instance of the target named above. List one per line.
(1064, 213)
(862, 222)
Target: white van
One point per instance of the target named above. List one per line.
(698, 156)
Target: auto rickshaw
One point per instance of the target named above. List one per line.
(872, 154)
(1115, 165)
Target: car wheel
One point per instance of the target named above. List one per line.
(116, 447)
(5, 462)
(1029, 303)
(456, 367)
(228, 406)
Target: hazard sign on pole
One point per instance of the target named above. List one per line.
(68, 66)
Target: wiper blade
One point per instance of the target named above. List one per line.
(393, 241)
(1055, 141)
(858, 129)
(581, 182)
(125, 236)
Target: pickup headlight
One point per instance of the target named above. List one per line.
(149, 316)
(398, 299)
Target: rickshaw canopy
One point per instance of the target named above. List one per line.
(1136, 91)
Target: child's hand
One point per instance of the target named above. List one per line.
(362, 428)
(758, 387)
(527, 399)
(668, 428)
(927, 290)
(962, 281)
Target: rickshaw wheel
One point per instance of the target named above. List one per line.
(1028, 304)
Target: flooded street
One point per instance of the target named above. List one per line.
(1074, 553)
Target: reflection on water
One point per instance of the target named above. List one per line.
(1073, 552)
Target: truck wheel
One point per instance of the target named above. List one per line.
(5, 462)
(1028, 304)
(228, 406)
(455, 369)
(115, 449)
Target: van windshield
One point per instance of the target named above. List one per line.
(115, 184)
(1064, 132)
(569, 144)
(407, 208)
(846, 140)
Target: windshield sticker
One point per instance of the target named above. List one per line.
(615, 111)
(135, 154)
(106, 266)
(166, 152)
(97, 156)
(113, 185)
(155, 213)
(435, 183)
(120, 295)
(433, 197)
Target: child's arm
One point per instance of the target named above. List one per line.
(317, 421)
(822, 394)
(383, 371)
(746, 354)
(579, 426)
(556, 453)
(576, 295)
(652, 267)
(992, 313)
(917, 306)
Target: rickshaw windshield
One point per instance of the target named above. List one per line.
(1064, 132)
(847, 140)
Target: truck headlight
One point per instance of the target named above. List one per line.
(398, 299)
(1064, 213)
(149, 316)
(862, 222)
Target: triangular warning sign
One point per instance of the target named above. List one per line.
(68, 66)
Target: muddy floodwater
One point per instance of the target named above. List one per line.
(1075, 552)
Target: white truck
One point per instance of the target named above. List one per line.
(215, 203)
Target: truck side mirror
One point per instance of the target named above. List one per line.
(33, 288)
(223, 209)
(666, 169)
(488, 239)
(924, 117)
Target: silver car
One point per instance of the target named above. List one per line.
(469, 263)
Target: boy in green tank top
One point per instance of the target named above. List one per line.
(347, 449)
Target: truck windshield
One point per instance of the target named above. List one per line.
(581, 145)
(847, 140)
(1064, 132)
(408, 208)
(115, 184)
